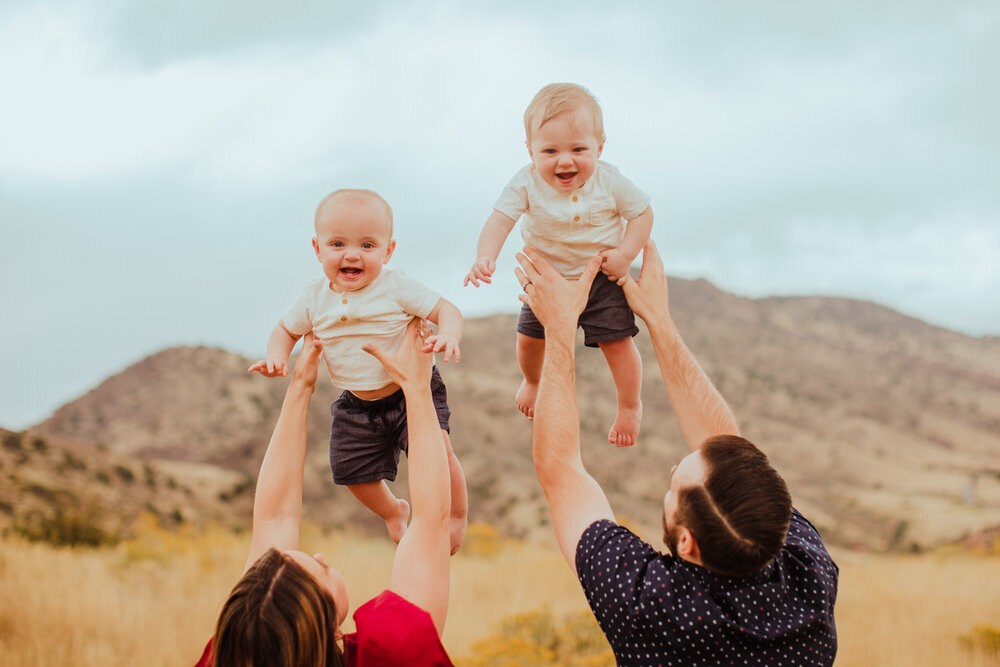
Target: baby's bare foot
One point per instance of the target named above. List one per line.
(397, 522)
(625, 430)
(525, 399)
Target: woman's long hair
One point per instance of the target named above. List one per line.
(277, 615)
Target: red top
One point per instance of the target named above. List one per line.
(206, 655)
(394, 631)
(391, 631)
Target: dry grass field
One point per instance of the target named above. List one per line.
(152, 600)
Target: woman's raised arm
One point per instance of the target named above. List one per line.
(420, 569)
(277, 506)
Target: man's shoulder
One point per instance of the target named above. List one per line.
(802, 531)
(804, 544)
(605, 541)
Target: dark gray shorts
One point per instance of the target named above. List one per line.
(606, 317)
(367, 436)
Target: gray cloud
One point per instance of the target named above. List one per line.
(842, 148)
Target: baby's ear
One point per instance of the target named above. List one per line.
(527, 144)
(388, 250)
(316, 247)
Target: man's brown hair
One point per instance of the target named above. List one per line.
(277, 615)
(740, 517)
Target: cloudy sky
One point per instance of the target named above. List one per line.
(160, 160)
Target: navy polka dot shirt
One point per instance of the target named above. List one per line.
(659, 610)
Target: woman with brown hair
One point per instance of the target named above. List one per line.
(287, 609)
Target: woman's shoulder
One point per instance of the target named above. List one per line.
(392, 630)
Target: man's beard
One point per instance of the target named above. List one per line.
(670, 536)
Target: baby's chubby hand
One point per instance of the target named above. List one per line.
(615, 264)
(271, 368)
(482, 270)
(446, 343)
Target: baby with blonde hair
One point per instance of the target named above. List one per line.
(573, 207)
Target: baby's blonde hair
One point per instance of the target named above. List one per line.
(357, 194)
(558, 98)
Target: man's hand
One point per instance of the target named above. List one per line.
(551, 297)
(271, 368)
(615, 264)
(648, 296)
(482, 270)
(443, 342)
(409, 366)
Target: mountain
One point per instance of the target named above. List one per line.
(69, 492)
(887, 429)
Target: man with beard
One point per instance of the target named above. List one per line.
(748, 579)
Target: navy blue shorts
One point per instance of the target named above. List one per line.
(606, 317)
(366, 437)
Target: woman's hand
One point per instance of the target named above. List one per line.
(307, 364)
(409, 366)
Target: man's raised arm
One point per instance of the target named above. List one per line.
(700, 408)
(575, 499)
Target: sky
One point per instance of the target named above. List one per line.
(161, 160)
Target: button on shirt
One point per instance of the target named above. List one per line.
(655, 609)
(568, 229)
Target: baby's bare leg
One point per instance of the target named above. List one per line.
(626, 370)
(530, 354)
(459, 497)
(377, 497)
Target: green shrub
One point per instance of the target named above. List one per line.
(150, 475)
(12, 441)
(535, 639)
(72, 462)
(983, 639)
(62, 528)
(125, 474)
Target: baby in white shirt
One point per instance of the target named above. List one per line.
(573, 207)
(355, 302)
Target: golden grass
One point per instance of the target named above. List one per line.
(153, 600)
(896, 611)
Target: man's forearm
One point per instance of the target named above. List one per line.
(557, 415)
(700, 408)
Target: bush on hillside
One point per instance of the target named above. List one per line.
(983, 639)
(63, 528)
(535, 639)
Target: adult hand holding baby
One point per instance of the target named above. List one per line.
(551, 297)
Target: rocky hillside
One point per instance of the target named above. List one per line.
(72, 493)
(887, 429)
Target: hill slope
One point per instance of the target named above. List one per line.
(887, 429)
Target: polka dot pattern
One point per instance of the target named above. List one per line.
(659, 610)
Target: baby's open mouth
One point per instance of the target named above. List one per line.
(351, 271)
(566, 177)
